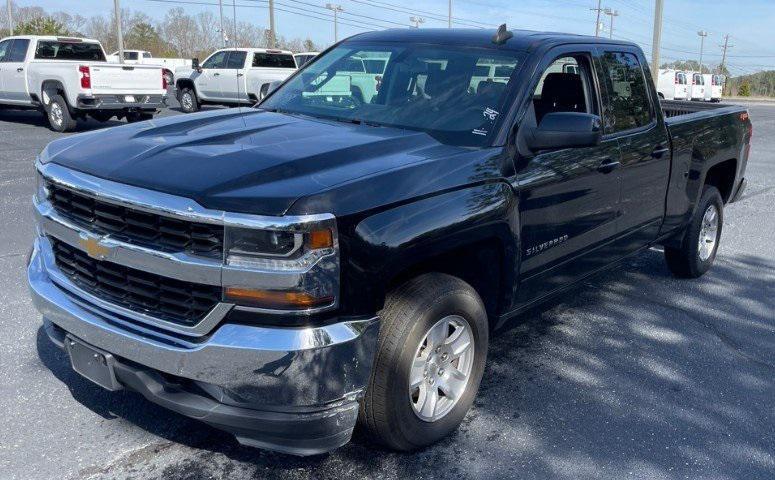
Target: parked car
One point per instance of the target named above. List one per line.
(697, 91)
(713, 87)
(287, 271)
(143, 57)
(672, 85)
(69, 79)
(232, 76)
(304, 57)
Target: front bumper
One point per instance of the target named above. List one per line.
(294, 390)
(121, 102)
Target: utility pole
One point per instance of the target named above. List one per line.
(597, 22)
(272, 31)
(702, 34)
(417, 21)
(119, 33)
(449, 16)
(724, 53)
(336, 9)
(10, 18)
(612, 14)
(656, 39)
(220, 30)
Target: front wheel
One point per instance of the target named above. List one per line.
(189, 103)
(430, 359)
(700, 244)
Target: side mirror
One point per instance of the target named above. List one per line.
(195, 65)
(565, 130)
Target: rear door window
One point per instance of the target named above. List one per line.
(236, 60)
(629, 105)
(18, 51)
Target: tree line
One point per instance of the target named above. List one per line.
(178, 34)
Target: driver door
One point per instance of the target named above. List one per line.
(208, 82)
(569, 197)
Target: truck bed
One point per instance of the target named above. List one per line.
(677, 111)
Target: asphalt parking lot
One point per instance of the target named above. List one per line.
(635, 375)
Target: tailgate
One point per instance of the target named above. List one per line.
(117, 78)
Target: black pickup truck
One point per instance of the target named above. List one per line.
(341, 254)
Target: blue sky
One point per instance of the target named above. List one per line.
(749, 22)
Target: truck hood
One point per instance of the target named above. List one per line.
(248, 161)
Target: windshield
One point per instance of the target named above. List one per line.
(56, 50)
(454, 94)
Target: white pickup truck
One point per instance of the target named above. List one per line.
(232, 76)
(70, 78)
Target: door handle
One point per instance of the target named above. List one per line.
(659, 151)
(20, 69)
(216, 74)
(240, 74)
(608, 166)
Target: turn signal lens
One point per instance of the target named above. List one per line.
(320, 239)
(273, 299)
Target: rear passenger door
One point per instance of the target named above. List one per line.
(14, 76)
(631, 118)
(568, 197)
(232, 77)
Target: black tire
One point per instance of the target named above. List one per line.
(685, 261)
(189, 102)
(386, 414)
(134, 117)
(58, 114)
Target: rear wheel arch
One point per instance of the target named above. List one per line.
(722, 176)
(49, 88)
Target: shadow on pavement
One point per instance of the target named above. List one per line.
(38, 119)
(634, 371)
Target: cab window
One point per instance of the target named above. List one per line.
(564, 86)
(216, 60)
(18, 51)
(4, 46)
(236, 60)
(629, 106)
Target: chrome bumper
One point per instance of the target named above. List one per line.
(240, 365)
(120, 102)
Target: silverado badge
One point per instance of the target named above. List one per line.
(93, 246)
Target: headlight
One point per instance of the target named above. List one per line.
(291, 268)
(41, 191)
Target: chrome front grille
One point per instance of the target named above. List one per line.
(137, 227)
(175, 301)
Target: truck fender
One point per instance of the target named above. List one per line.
(50, 88)
(443, 232)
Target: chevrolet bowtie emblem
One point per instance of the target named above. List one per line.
(93, 247)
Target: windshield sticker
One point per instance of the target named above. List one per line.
(479, 131)
(490, 114)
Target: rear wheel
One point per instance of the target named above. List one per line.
(701, 240)
(59, 116)
(189, 103)
(430, 359)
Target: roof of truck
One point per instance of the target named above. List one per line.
(53, 38)
(522, 39)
